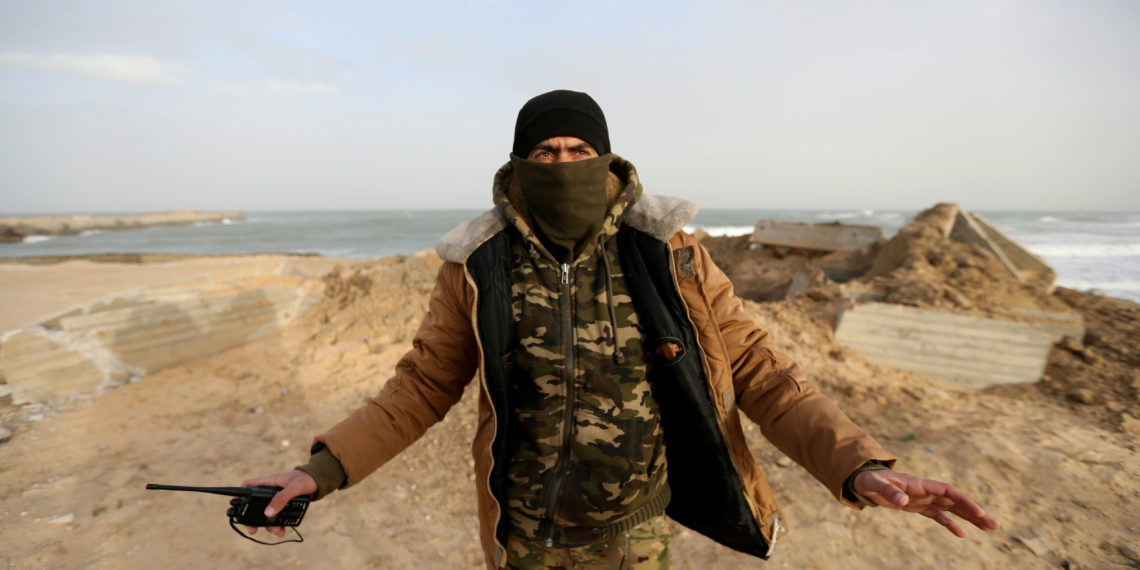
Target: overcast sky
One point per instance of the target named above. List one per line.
(141, 105)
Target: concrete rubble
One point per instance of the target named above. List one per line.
(923, 302)
(832, 236)
(1010, 345)
(112, 341)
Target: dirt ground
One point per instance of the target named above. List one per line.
(1056, 462)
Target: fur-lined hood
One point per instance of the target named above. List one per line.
(658, 216)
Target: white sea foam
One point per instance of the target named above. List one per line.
(1112, 249)
(1124, 284)
(86, 233)
(1048, 219)
(36, 239)
(722, 231)
(1125, 289)
(843, 215)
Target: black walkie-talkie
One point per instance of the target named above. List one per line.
(248, 506)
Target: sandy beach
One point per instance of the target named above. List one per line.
(1057, 462)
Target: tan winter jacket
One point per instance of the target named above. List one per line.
(746, 374)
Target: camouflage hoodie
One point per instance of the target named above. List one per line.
(587, 454)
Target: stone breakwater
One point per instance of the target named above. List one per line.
(16, 229)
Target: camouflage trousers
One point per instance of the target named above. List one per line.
(644, 547)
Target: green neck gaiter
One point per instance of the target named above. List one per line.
(566, 200)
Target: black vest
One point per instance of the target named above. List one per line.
(708, 493)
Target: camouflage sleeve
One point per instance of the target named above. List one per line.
(428, 381)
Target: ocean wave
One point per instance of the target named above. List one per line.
(86, 233)
(1048, 219)
(1125, 289)
(36, 239)
(842, 215)
(1113, 249)
(723, 231)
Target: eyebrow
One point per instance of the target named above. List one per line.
(552, 148)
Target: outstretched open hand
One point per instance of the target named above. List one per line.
(928, 498)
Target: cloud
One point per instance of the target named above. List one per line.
(234, 90)
(273, 87)
(128, 68)
(284, 88)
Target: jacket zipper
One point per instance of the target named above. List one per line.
(500, 550)
(561, 470)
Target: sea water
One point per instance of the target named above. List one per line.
(1088, 250)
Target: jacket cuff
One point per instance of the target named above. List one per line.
(326, 470)
(859, 501)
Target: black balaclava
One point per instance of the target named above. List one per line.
(567, 200)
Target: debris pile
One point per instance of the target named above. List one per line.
(950, 298)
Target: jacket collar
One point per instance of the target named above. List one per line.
(658, 216)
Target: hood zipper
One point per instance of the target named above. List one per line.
(547, 529)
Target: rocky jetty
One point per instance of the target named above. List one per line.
(16, 229)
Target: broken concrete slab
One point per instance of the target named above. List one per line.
(107, 342)
(1058, 325)
(973, 228)
(970, 351)
(820, 237)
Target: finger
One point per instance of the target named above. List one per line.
(282, 498)
(984, 521)
(251, 529)
(881, 489)
(965, 508)
(278, 531)
(943, 503)
(941, 518)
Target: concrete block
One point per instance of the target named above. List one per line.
(41, 366)
(100, 345)
(821, 237)
(970, 351)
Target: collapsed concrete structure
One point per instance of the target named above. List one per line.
(969, 350)
(949, 298)
(103, 344)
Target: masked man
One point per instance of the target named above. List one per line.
(614, 365)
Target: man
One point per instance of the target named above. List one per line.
(614, 364)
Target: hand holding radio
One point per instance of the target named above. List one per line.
(252, 502)
(293, 484)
